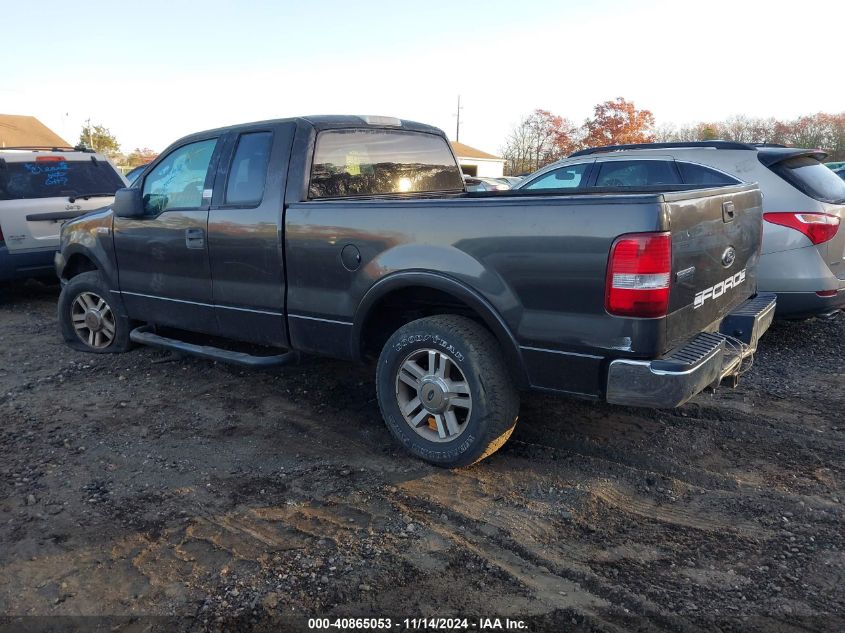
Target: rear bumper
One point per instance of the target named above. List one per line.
(705, 360)
(795, 276)
(35, 264)
(802, 305)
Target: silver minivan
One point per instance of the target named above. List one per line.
(803, 251)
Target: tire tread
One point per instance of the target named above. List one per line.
(496, 381)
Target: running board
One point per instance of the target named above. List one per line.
(145, 336)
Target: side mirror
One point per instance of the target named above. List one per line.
(128, 203)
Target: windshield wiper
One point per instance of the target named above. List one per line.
(84, 196)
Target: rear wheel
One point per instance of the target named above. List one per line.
(87, 318)
(445, 392)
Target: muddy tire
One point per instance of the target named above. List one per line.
(87, 319)
(445, 392)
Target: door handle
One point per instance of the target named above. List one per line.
(194, 238)
(728, 211)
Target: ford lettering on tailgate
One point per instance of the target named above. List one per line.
(714, 292)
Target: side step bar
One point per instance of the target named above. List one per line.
(146, 336)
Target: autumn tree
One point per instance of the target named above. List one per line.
(618, 122)
(100, 139)
(538, 139)
(543, 137)
(138, 157)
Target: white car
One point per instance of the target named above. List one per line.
(803, 251)
(40, 188)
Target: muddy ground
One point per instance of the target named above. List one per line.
(151, 484)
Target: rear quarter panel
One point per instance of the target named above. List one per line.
(539, 261)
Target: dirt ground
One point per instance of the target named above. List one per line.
(148, 484)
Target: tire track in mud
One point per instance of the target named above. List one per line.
(559, 577)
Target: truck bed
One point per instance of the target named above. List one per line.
(539, 259)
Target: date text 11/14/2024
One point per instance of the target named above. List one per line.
(418, 624)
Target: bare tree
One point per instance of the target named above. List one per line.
(539, 139)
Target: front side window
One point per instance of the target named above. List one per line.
(248, 172)
(636, 173)
(366, 162)
(569, 177)
(177, 182)
(53, 177)
(694, 174)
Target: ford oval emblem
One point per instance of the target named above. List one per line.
(728, 257)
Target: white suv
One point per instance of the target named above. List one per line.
(803, 253)
(40, 188)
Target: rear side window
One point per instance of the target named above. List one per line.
(811, 177)
(56, 178)
(374, 162)
(636, 173)
(248, 172)
(569, 177)
(693, 174)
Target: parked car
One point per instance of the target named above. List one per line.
(803, 204)
(835, 165)
(510, 181)
(352, 237)
(39, 189)
(840, 172)
(132, 175)
(474, 183)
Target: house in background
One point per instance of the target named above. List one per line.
(17, 130)
(474, 162)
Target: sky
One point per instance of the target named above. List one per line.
(155, 71)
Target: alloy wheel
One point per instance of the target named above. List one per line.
(93, 320)
(433, 395)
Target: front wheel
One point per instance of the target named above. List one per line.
(87, 318)
(445, 392)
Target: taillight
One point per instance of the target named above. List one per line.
(49, 159)
(638, 275)
(819, 227)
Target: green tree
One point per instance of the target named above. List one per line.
(98, 138)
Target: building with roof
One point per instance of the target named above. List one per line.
(17, 130)
(474, 162)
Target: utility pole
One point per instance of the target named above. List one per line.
(458, 125)
(90, 135)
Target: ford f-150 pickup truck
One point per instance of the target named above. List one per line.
(353, 237)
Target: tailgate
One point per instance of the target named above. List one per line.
(716, 235)
(35, 223)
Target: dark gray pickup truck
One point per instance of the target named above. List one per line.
(353, 237)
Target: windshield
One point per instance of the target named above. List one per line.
(811, 177)
(56, 178)
(377, 162)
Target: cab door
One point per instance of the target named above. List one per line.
(245, 235)
(163, 264)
